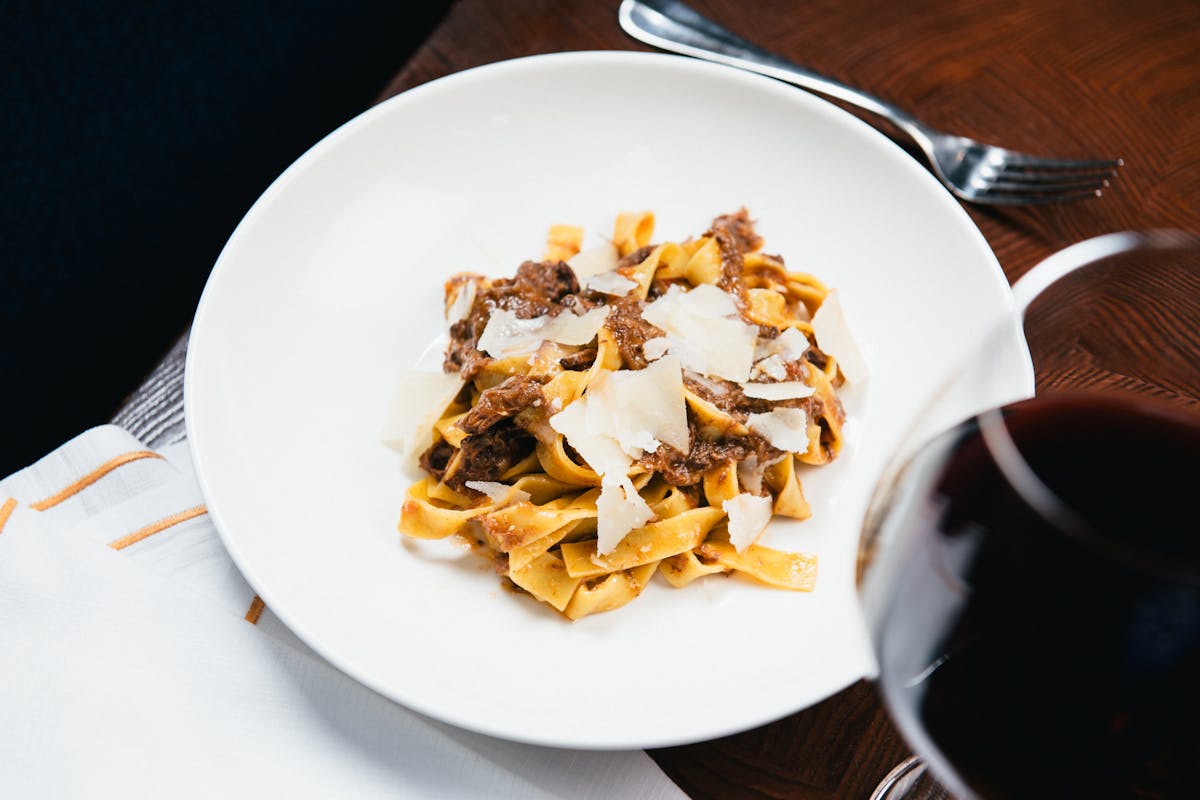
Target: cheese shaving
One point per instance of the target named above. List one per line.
(612, 283)
(602, 453)
(707, 300)
(567, 328)
(786, 390)
(656, 348)
(701, 335)
(623, 415)
(419, 401)
(789, 346)
(499, 493)
(619, 510)
(750, 474)
(640, 408)
(784, 428)
(748, 518)
(464, 298)
(594, 260)
(770, 367)
(507, 335)
(834, 337)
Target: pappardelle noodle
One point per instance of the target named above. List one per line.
(630, 409)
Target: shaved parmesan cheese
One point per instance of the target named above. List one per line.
(717, 388)
(794, 343)
(788, 345)
(567, 328)
(750, 474)
(640, 408)
(594, 260)
(701, 335)
(787, 390)
(612, 283)
(785, 428)
(748, 518)
(771, 367)
(663, 310)
(834, 337)
(624, 414)
(499, 493)
(656, 348)
(707, 300)
(750, 471)
(464, 298)
(420, 399)
(603, 454)
(506, 334)
(619, 510)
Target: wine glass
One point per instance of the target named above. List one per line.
(1031, 577)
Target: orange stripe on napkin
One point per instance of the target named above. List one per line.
(93, 476)
(155, 527)
(6, 511)
(256, 609)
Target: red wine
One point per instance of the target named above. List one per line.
(1025, 660)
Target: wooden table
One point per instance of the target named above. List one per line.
(1098, 78)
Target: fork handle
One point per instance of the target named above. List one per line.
(674, 26)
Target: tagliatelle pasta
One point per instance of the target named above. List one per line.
(613, 412)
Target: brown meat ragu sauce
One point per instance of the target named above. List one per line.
(687, 469)
(579, 361)
(483, 456)
(499, 434)
(736, 230)
(735, 237)
(502, 401)
(630, 331)
(538, 288)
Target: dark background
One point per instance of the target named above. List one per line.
(133, 137)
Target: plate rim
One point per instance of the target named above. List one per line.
(367, 117)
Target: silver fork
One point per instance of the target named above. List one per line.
(974, 171)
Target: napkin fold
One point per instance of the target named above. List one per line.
(135, 659)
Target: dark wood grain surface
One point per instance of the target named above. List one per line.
(1095, 78)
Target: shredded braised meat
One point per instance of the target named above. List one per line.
(636, 257)
(736, 229)
(687, 469)
(630, 331)
(538, 288)
(735, 237)
(463, 355)
(436, 459)
(483, 456)
(816, 357)
(580, 360)
(502, 401)
(726, 395)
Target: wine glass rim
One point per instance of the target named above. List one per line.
(1058, 265)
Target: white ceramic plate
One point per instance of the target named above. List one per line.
(332, 284)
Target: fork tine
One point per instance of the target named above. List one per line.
(1025, 162)
(1026, 198)
(1004, 184)
(1049, 178)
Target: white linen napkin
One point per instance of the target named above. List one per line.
(135, 660)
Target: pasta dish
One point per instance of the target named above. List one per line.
(630, 409)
